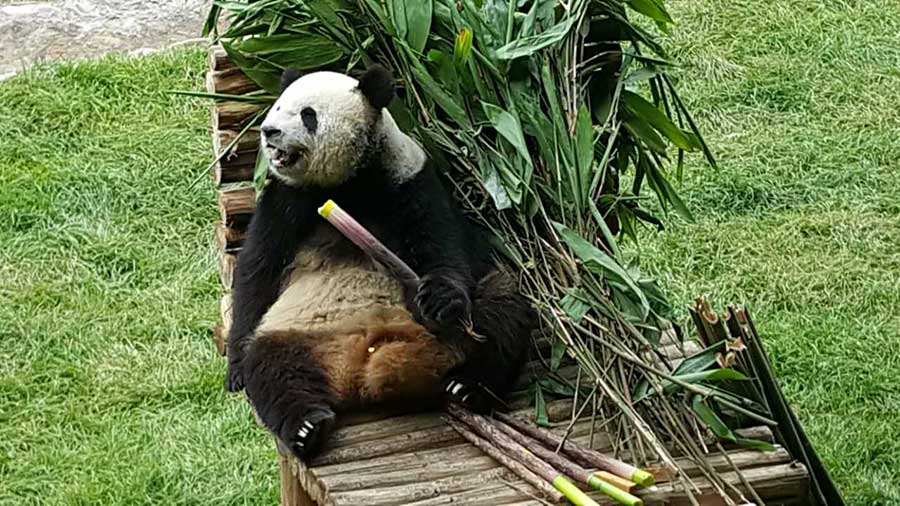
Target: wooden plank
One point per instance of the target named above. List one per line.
(420, 489)
(236, 206)
(783, 482)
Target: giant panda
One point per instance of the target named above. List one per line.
(319, 328)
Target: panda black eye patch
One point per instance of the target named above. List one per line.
(308, 116)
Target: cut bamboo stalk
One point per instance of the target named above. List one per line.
(483, 427)
(229, 240)
(236, 206)
(231, 81)
(617, 481)
(569, 468)
(584, 455)
(546, 490)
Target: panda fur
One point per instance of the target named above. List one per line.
(319, 327)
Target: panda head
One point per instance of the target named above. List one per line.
(324, 124)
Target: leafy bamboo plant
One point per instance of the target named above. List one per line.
(558, 119)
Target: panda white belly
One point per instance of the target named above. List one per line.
(351, 318)
(331, 283)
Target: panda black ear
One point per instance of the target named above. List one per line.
(289, 76)
(377, 85)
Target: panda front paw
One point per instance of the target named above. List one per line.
(307, 435)
(234, 376)
(467, 395)
(443, 301)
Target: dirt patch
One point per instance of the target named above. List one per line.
(71, 29)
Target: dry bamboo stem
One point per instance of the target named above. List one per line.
(568, 467)
(546, 490)
(585, 456)
(486, 429)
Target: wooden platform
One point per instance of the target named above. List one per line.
(417, 459)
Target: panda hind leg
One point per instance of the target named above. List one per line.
(290, 392)
(505, 319)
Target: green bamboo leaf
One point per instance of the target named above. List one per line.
(711, 419)
(540, 408)
(653, 9)
(638, 106)
(557, 352)
(597, 261)
(529, 45)
(575, 304)
(755, 444)
(694, 377)
(260, 171)
(267, 76)
(665, 190)
(700, 361)
(641, 130)
(508, 126)
(418, 23)
(437, 93)
(492, 184)
(584, 147)
(399, 18)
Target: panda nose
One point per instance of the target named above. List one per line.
(270, 131)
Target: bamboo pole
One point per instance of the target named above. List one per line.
(570, 468)
(584, 455)
(487, 430)
(547, 491)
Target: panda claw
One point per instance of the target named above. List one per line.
(313, 431)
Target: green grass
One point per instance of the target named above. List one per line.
(110, 392)
(801, 103)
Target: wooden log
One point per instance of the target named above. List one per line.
(249, 142)
(219, 337)
(229, 240)
(230, 115)
(236, 206)
(225, 312)
(226, 270)
(218, 59)
(292, 494)
(236, 163)
(231, 81)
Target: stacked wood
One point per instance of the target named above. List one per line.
(235, 148)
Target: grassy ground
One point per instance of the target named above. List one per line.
(109, 389)
(800, 102)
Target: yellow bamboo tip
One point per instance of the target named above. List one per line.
(326, 208)
(572, 493)
(643, 478)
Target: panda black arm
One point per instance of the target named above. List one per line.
(434, 241)
(282, 215)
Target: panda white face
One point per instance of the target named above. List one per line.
(318, 130)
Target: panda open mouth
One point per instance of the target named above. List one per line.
(284, 157)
